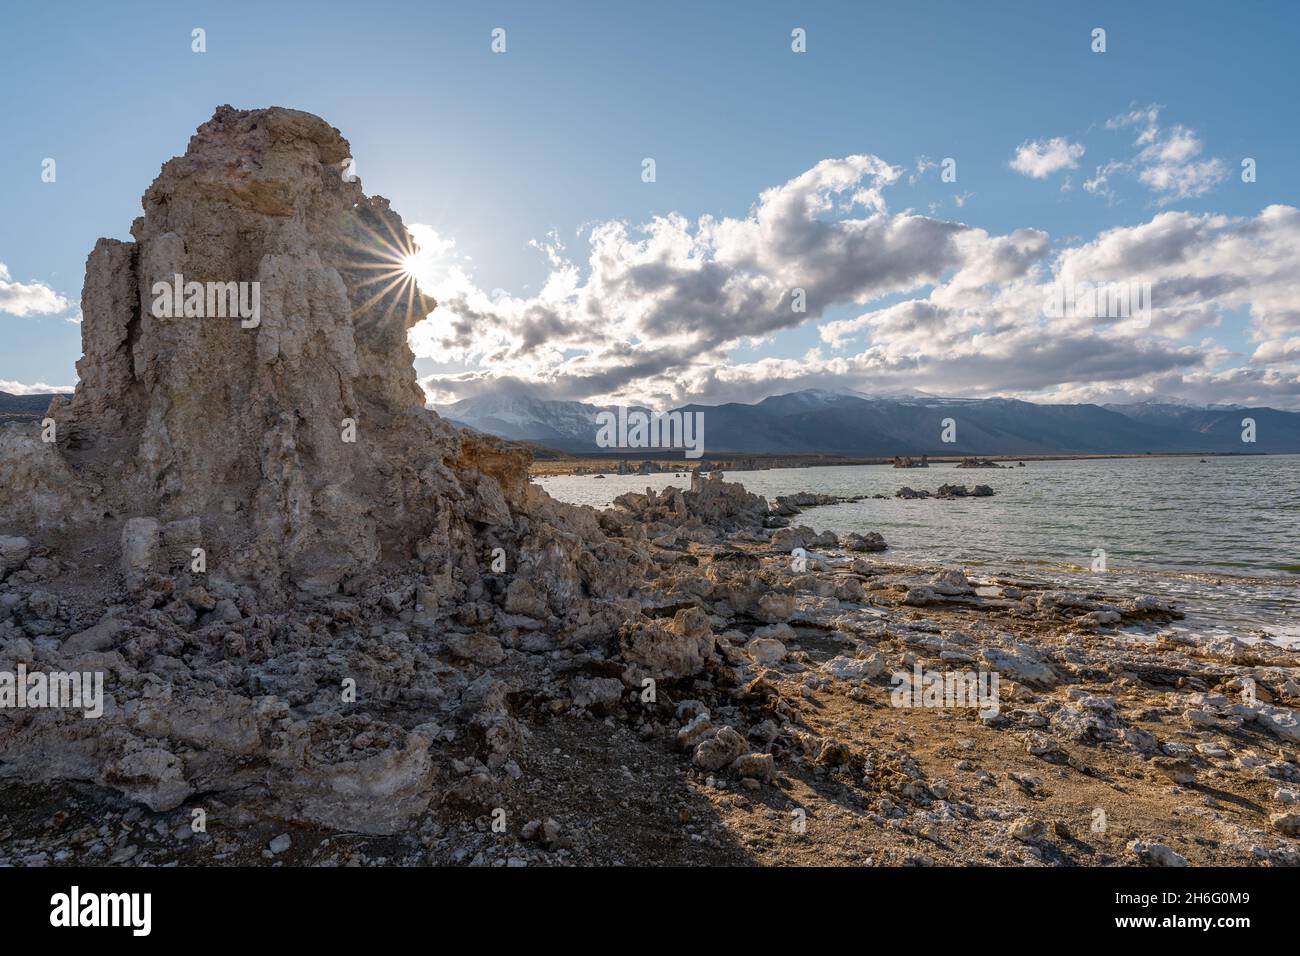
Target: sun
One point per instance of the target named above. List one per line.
(428, 257)
(402, 268)
(412, 264)
(421, 267)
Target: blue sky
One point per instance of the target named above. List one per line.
(497, 151)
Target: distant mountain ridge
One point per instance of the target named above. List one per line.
(23, 408)
(566, 426)
(817, 421)
(25, 403)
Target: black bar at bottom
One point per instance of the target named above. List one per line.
(337, 905)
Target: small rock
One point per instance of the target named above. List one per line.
(755, 766)
(1156, 854)
(694, 731)
(1027, 830)
(765, 650)
(854, 669)
(1287, 824)
(14, 552)
(719, 750)
(1179, 771)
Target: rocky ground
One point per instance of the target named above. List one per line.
(771, 737)
(332, 628)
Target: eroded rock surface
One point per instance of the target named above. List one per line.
(264, 488)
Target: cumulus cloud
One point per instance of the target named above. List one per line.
(36, 388)
(658, 300)
(1167, 161)
(1000, 339)
(28, 298)
(1210, 264)
(1038, 159)
(653, 314)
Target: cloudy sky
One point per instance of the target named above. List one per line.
(659, 203)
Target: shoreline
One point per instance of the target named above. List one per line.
(606, 464)
(1255, 596)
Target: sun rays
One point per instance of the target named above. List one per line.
(395, 270)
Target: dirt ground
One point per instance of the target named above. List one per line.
(623, 797)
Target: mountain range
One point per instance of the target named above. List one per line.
(817, 421)
(22, 408)
(24, 403)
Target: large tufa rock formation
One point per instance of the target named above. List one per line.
(244, 427)
(192, 412)
(406, 561)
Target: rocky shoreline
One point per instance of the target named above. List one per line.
(772, 714)
(557, 463)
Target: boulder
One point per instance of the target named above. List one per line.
(765, 650)
(854, 669)
(666, 651)
(1022, 664)
(98, 637)
(1280, 720)
(152, 775)
(871, 541)
(600, 692)
(788, 539)
(720, 750)
(14, 552)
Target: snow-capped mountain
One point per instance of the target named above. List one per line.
(911, 423)
(567, 426)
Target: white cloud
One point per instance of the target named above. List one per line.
(28, 298)
(1167, 160)
(997, 338)
(37, 388)
(654, 313)
(1099, 182)
(654, 301)
(1209, 264)
(1038, 159)
(922, 166)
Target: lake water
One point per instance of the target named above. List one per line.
(1222, 536)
